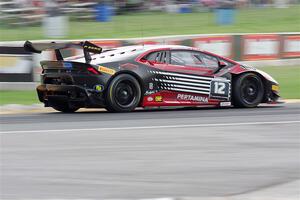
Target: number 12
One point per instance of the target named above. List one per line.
(219, 87)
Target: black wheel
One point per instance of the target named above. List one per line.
(123, 94)
(65, 108)
(248, 91)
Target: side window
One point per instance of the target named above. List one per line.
(210, 61)
(213, 62)
(152, 56)
(158, 57)
(186, 58)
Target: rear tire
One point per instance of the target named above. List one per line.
(248, 91)
(123, 94)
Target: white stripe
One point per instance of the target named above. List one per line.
(93, 182)
(186, 90)
(163, 198)
(56, 198)
(190, 87)
(191, 80)
(185, 83)
(185, 75)
(152, 127)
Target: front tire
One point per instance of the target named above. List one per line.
(123, 94)
(248, 91)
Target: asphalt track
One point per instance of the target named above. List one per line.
(202, 152)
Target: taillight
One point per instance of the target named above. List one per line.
(93, 71)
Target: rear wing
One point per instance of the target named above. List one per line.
(87, 47)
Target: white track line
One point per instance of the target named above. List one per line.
(151, 127)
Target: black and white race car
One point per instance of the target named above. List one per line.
(124, 78)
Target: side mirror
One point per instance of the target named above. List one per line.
(222, 64)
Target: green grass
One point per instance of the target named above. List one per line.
(288, 78)
(155, 24)
(18, 97)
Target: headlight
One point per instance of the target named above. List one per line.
(275, 88)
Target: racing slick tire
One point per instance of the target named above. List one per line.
(123, 94)
(248, 91)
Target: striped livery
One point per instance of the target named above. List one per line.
(179, 82)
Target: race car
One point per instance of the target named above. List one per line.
(124, 78)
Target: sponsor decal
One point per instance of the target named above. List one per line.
(188, 97)
(92, 48)
(99, 88)
(151, 86)
(225, 104)
(148, 92)
(67, 65)
(158, 99)
(106, 70)
(275, 88)
(150, 99)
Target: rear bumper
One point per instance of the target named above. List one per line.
(74, 95)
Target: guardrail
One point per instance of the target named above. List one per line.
(242, 47)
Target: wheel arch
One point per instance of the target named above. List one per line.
(235, 75)
(264, 81)
(135, 75)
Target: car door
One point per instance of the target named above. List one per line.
(191, 77)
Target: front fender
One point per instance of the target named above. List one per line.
(237, 70)
(271, 86)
